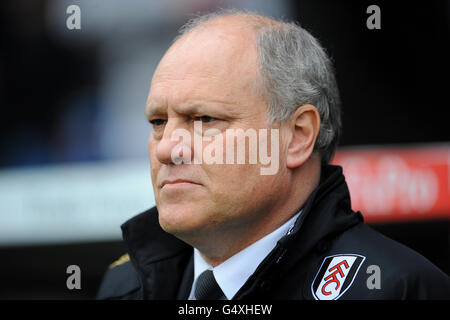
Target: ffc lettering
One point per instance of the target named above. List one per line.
(335, 276)
(332, 277)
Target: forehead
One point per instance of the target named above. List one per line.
(210, 64)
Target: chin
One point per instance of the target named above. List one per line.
(180, 220)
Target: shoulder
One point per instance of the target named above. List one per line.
(120, 281)
(404, 273)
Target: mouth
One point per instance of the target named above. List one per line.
(178, 182)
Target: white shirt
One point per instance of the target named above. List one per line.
(235, 271)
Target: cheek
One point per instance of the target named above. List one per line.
(150, 144)
(151, 148)
(154, 163)
(230, 183)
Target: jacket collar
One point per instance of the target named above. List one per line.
(158, 257)
(325, 214)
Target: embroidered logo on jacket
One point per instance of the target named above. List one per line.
(335, 276)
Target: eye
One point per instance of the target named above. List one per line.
(205, 119)
(158, 122)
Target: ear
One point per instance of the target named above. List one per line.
(304, 125)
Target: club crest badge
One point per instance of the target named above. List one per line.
(335, 276)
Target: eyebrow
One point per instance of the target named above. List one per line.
(191, 108)
(154, 108)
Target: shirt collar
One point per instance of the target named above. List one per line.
(230, 274)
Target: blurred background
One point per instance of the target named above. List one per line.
(73, 162)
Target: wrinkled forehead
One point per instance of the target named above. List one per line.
(214, 49)
(211, 59)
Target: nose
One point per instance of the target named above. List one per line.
(175, 145)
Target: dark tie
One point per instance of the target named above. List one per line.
(207, 287)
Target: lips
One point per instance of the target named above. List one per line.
(177, 181)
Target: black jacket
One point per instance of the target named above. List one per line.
(329, 254)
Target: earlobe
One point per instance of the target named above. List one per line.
(304, 125)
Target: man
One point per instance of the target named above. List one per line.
(228, 229)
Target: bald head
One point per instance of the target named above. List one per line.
(220, 52)
(244, 21)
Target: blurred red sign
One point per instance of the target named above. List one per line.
(388, 184)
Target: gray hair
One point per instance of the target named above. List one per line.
(295, 70)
